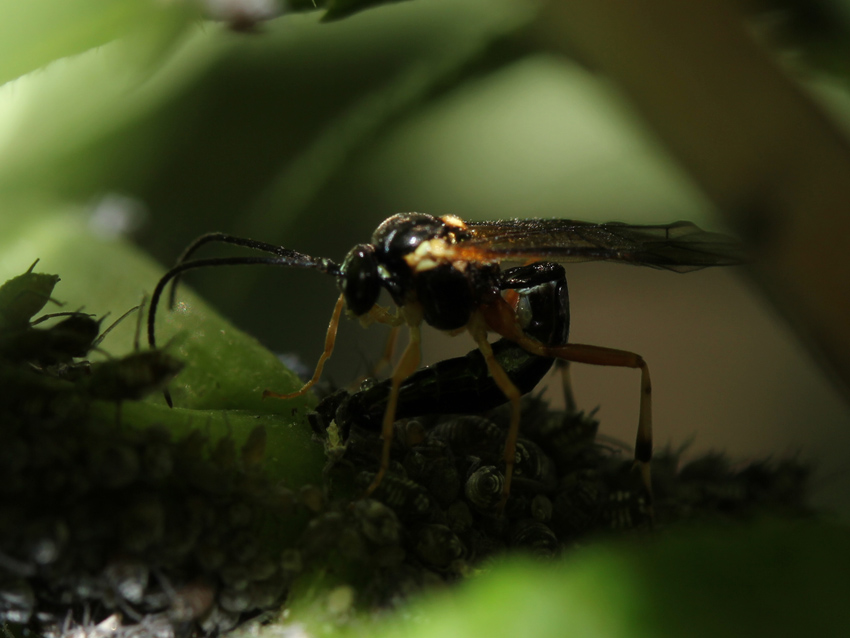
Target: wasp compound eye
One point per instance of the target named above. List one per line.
(360, 283)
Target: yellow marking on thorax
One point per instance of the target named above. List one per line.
(453, 220)
(429, 254)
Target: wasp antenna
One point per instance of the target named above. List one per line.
(324, 265)
(285, 257)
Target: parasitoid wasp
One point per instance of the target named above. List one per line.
(448, 273)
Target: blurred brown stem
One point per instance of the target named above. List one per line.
(774, 163)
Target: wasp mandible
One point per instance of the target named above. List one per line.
(448, 273)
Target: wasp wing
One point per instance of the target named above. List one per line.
(681, 246)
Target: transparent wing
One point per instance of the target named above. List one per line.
(680, 246)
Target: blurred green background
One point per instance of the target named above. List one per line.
(145, 123)
(128, 129)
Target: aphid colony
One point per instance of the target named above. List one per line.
(445, 483)
(178, 535)
(97, 517)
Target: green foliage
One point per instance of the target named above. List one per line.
(770, 578)
(338, 9)
(33, 34)
(113, 96)
(220, 389)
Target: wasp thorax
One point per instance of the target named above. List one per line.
(359, 281)
(403, 233)
(446, 296)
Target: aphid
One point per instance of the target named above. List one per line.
(128, 577)
(438, 545)
(133, 376)
(23, 296)
(459, 517)
(576, 504)
(541, 508)
(534, 466)
(432, 467)
(17, 601)
(190, 601)
(71, 338)
(218, 621)
(566, 436)
(447, 273)
(469, 433)
(234, 600)
(484, 487)
(624, 509)
(535, 536)
(409, 499)
(377, 522)
(60, 343)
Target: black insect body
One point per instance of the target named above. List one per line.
(447, 273)
(133, 376)
(464, 385)
(23, 296)
(59, 351)
(71, 338)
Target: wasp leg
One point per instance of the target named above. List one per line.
(330, 340)
(512, 393)
(534, 306)
(570, 404)
(385, 361)
(596, 355)
(389, 350)
(406, 366)
(379, 314)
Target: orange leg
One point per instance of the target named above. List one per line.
(503, 381)
(406, 366)
(379, 314)
(570, 404)
(500, 317)
(330, 339)
(389, 350)
(386, 358)
(596, 355)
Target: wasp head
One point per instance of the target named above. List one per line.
(359, 280)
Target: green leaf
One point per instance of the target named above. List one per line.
(220, 389)
(37, 32)
(338, 9)
(768, 579)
